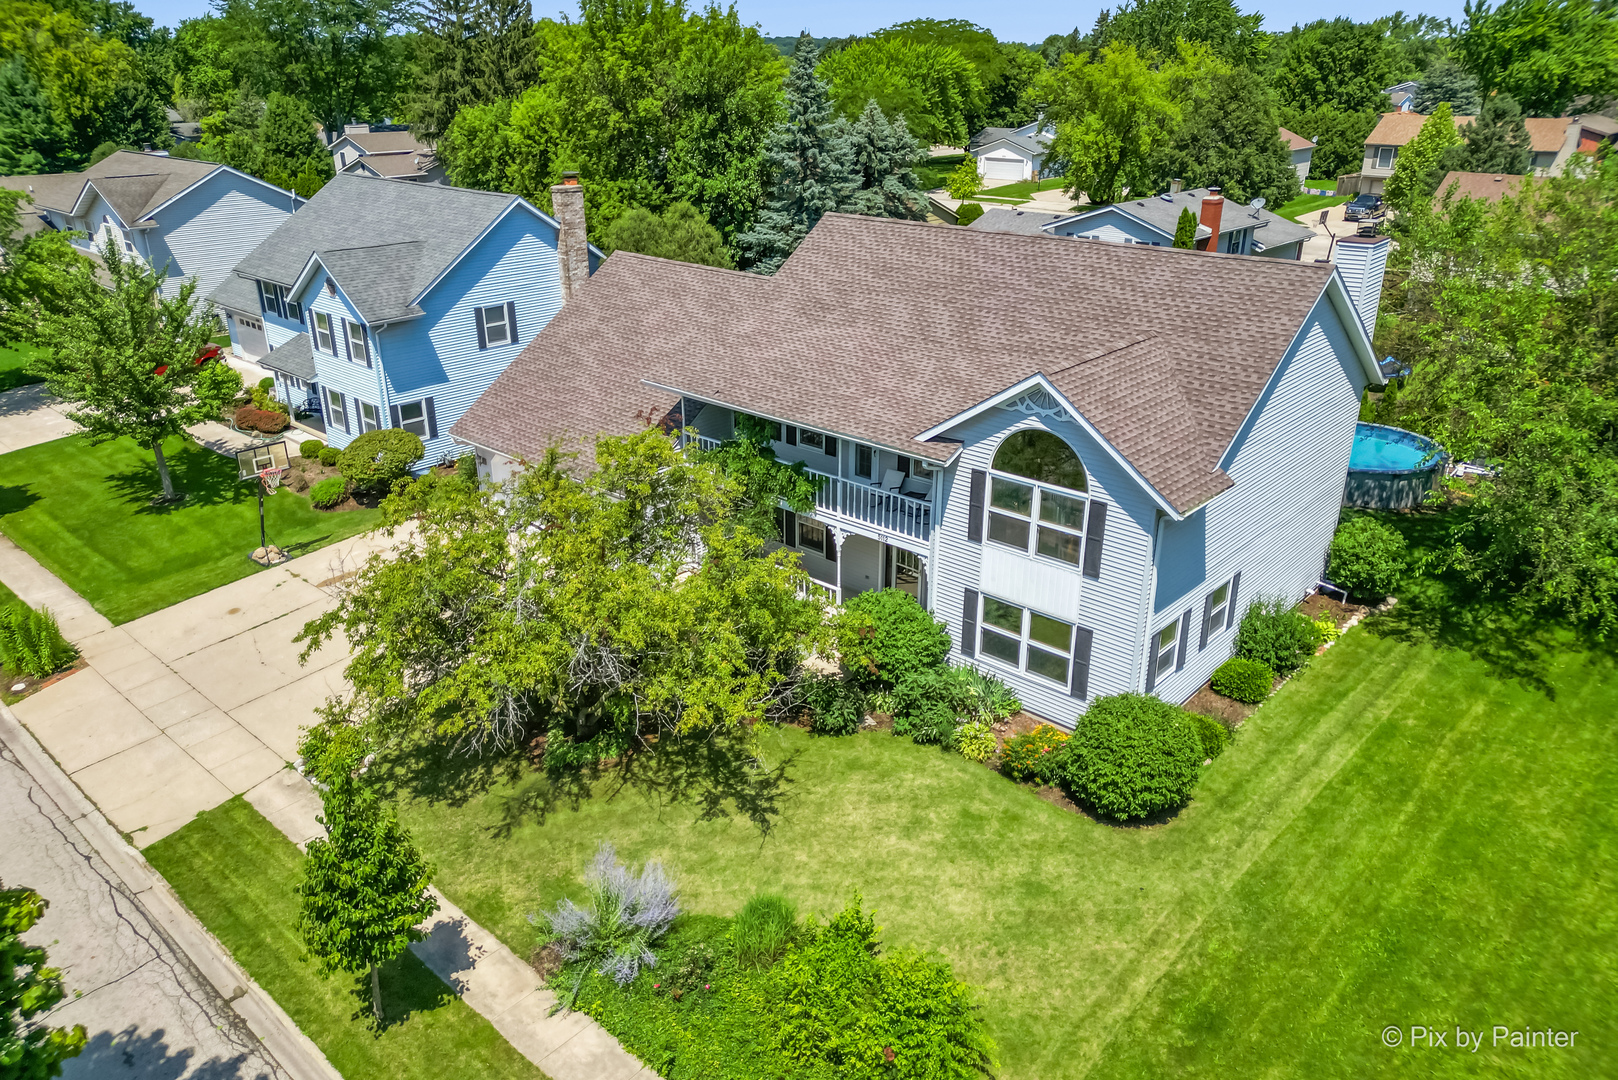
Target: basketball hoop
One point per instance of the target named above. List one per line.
(271, 479)
(267, 464)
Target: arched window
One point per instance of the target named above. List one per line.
(1025, 509)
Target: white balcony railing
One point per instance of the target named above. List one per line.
(859, 501)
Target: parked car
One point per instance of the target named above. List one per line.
(1363, 207)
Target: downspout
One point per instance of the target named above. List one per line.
(1149, 590)
(384, 419)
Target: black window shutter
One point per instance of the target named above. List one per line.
(432, 418)
(789, 531)
(1151, 661)
(1083, 638)
(1230, 611)
(831, 446)
(792, 435)
(511, 320)
(831, 546)
(1095, 533)
(1185, 639)
(1207, 610)
(348, 407)
(342, 328)
(974, 506)
(483, 335)
(393, 415)
(263, 304)
(969, 624)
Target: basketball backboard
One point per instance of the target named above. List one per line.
(255, 459)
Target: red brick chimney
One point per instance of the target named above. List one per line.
(1213, 206)
(572, 245)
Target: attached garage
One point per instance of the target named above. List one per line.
(998, 167)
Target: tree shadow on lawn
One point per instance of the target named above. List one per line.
(15, 498)
(409, 987)
(1514, 638)
(203, 477)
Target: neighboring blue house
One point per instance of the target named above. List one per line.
(196, 218)
(1088, 497)
(388, 305)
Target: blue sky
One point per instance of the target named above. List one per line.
(1029, 21)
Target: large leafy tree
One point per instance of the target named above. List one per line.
(1112, 114)
(882, 155)
(632, 600)
(122, 356)
(1229, 139)
(811, 162)
(1497, 141)
(504, 60)
(1005, 69)
(1544, 53)
(31, 265)
(31, 138)
(1447, 81)
(680, 233)
(29, 988)
(337, 56)
(1508, 312)
(934, 87)
(1158, 26)
(1339, 137)
(364, 885)
(1419, 168)
(1342, 65)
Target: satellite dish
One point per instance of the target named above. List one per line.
(1258, 203)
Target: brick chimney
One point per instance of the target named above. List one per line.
(1213, 206)
(572, 245)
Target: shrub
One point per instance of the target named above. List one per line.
(267, 383)
(1326, 629)
(764, 928)
(1273, 632)
(967, 213)
(1367, 557)
(885, 636)
(31, 643)
(466, 467)
(928, 704)
(987, 699)
(329, 492)
(842, 1003)
(974, 740)
(311, 448)
(1245, 680)
(1132, 756)
(836, 706)
(622, 918)
(1212, 736)
(1035, 755)
(374, 460)
(329, 456)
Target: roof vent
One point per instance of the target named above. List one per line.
(1166, 197)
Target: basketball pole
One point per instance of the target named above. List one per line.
(263, 541)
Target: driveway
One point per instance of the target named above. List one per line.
(149, 1012)
(1322, 245)
(180, 710)
(29, 415)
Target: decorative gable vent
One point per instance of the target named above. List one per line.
(1036, 402)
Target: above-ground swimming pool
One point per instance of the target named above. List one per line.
(1390, 468)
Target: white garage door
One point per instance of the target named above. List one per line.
(250, 337)
(1001, 169)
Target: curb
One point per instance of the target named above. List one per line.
(291, 1048)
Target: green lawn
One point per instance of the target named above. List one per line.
(1310, 205)
(236, 872)
(1416, 830)
(933, 171)
(12, 362)
(84, 512)
(1025, 189)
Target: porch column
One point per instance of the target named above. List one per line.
(837, 536)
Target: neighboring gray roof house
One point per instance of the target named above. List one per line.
(391, 153)
(1121, 440)
(1011, 153)
(197, 218)
(1242, 230)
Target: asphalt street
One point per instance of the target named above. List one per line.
(149, 1012)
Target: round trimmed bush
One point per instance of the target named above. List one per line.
(1132, 756)
(1211, 734)
(310, 448)
(329, 492)
(885, 636)
(1367, 557)
(968, 212)
(374, 460)
(329, 456)
(1245, 680)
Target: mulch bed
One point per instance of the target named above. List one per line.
(304, 473)
(1319, 603)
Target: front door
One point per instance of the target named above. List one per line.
(904, 572)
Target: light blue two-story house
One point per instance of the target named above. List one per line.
(389, 305)
(1088, 508)
(197, 219)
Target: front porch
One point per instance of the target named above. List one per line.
(845, 564)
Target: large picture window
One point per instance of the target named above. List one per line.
(1027, 508)
(1026, 639)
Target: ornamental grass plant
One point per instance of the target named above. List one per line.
(622, 917)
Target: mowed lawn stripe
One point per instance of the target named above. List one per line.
(237, 873)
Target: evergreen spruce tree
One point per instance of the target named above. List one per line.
(443, 68)
(31, 141)
(809, 155)
(1447, 81)
(1185, 230)
(504, 59)
(1497, 141)
(882, 154)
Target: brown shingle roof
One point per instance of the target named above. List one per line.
(1396, 128)
(1491, 187)
(1295, 141)
(135, 184)
(1546, 134)
(387, 142)
(879, 330)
